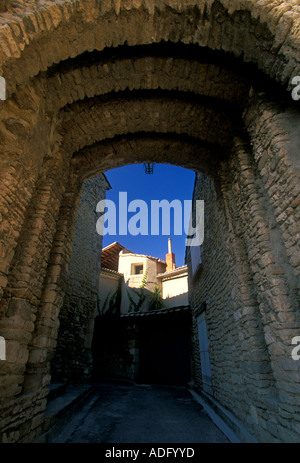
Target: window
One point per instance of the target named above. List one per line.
(204, 354)
(137, 269)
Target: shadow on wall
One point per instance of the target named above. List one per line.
(177, 301)
(142, 299)
(151, 347)
(123, 298)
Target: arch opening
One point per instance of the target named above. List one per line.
(166, 84)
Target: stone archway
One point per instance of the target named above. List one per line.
(204, 85)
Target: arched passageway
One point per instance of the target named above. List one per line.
(205, 85)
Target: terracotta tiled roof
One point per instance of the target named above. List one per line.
(110, 256)
(158, 259)
(108, 270)
(174, 271)
(149, 313)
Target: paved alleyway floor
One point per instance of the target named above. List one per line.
(125, 413)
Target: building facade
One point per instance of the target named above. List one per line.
(143, 330)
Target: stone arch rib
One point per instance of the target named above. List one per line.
(94, 120)
(36, 36)
(166, 148)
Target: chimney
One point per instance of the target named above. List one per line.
(170, 257)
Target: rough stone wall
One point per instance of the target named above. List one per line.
(250, 285)
(241, 373)
(274, 23)
(73, 360)
(277, 265)
(115, 349)
(31, 329)
(217, 286)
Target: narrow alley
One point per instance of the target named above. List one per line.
(132, 413)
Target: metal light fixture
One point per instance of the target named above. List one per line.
(148, 167)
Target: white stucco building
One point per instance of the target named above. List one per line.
(133, 275)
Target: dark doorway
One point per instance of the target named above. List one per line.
(164, 350)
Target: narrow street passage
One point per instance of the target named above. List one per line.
(122, 413)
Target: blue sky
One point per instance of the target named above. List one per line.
(167, 182)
